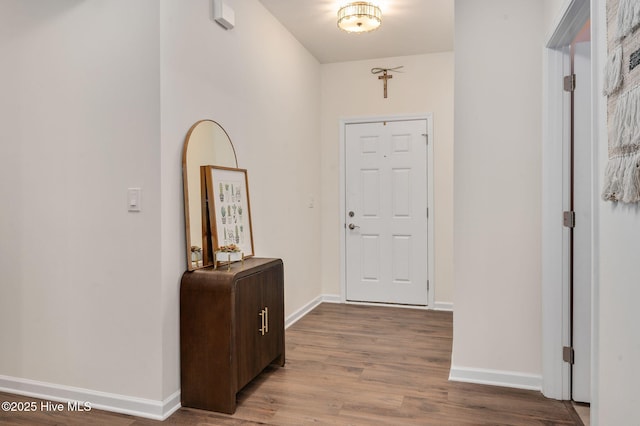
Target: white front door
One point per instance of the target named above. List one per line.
(386, 212)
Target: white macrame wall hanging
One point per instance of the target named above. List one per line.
(622, 86)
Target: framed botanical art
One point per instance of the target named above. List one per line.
(229, 209)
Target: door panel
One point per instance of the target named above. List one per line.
(272, 296)
(401, 183)
(370, 250)
(248, 303)
(401, 252)
(370, 187)
(386, 190)
(581, 371)
(259, 295)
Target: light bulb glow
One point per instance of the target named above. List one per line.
(359, 17)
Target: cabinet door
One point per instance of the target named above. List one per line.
(249, 323)
(271, 344)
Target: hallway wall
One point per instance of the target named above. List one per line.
(350, 90)
(616, 293)
(80, 123)
(497, 192)
(263, 87)
(97, 97)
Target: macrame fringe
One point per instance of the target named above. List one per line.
(622, 174)
(626, 119)
(613, 72)
(622, 179)
(628, 17)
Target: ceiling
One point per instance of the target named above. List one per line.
(409, 27)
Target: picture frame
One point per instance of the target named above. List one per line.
(229, 209)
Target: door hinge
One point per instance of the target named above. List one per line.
(569, 83)
(426, 137)
(427, 285)
(569, 219)
(427, 212)
(568, 354)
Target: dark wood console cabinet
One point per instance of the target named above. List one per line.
(231, 328)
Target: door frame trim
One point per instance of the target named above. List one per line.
(343, 122)
(555, 303)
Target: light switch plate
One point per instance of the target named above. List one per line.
(134, 199)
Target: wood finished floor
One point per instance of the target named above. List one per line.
(354, 365)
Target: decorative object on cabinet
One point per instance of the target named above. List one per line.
(231, 328)
(226, 255)
(196, 256)
(206, 143)
(228, 193)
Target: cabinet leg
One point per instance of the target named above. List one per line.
(279, 360)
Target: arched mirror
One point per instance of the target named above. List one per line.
(206, 144)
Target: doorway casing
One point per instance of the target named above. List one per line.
(555, 266)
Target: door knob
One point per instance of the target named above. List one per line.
(352, 226)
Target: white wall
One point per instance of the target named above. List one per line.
(80, 123)
(497, 190)
(89, 294)
(617, 291)
(350, 90)
(551, 14)
(263, 87)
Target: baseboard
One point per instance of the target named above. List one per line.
(443, 306)
(294, 317)
(331, 298)
(510, 379)
(140, 407)
(437, 306)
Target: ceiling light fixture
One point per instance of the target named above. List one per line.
(359, 17)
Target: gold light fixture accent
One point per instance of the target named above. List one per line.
(359, 17)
